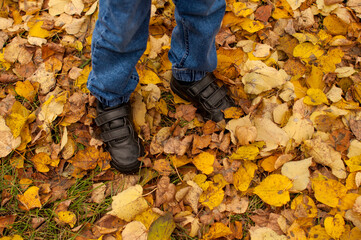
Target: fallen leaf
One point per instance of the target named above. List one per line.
(204, 162)
(7, 142)
(263, 233)
(274, 190)
(162, 228)
(134, 230)
(244, 176)
(335, 226)
(298, 172)
(30, 199)
(212, 196)
(217, 230)
(67, 217)
(129, 203)
(260, 78)
(324, 154)
(328, 191)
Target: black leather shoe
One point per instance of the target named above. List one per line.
(122, 142)
(208, 97)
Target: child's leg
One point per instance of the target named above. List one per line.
(119, 40)
(193, 50)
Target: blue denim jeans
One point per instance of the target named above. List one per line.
(120, 38)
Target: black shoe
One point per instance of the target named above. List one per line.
(208, 97)
(118, 133)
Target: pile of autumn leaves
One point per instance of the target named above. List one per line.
(292, 67)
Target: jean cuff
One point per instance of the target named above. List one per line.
(108, 102)
(188, 75)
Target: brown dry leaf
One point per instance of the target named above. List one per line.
(324, 154)
(6, 221)
(165, 191)
(200, 142)
(193, 195)
(162, 166)
(98, 193)
(86, 159)
(187, 112)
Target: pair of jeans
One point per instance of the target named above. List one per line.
(120, 38)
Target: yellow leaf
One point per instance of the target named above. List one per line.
(219, 181)
(251, 26)
(30, 199)
(354, 234)
(37, 31)
(307, 52)
(204, 162)
(315, 97)
(249, 152)
(324, 36)
(25, 182)
(240, 9)
(300, 91)
(41, 160)
(52, 107)
(233, 112)
(17, 119)
(328, 62)
(334, 25)
(212, 197)
(67, 217)
(328, 191)
(82, 80)
(306, 37)
(304, 204)
(15, 237)
(244, 176)
(217, 230)
(274, 190)
(335, 226)
(347, 201)
(147, 217)
(227, 59)
(3, 63)
(200, 179)
(318, 232)
(26, 90)
(354, 163)
(180, 161)
(351, 180)
(17, 162)
(295, 232)
(147, 76)
(268, 164)
(129, 203)
(315, 80)
(282, 10)
(162, 107)
(25, 138)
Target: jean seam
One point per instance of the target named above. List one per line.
(186, 43)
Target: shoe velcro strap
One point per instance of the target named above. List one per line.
(199, 86)
(117, 133)
(217, 96)
(111, 115)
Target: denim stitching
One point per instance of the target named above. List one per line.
(186, 43)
